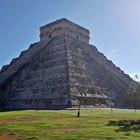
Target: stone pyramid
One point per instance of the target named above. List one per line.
(60, 71)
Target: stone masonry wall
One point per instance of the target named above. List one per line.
(94, 80)
(43, 82)
(61, 71)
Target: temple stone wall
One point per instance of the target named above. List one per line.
(64, 27)
(43, 82)
(60, 71)
(91, 74)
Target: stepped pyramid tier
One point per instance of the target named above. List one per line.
(60, 71)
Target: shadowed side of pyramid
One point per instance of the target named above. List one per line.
(60, 71)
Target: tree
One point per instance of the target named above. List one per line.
(136, 77)
(133, 95)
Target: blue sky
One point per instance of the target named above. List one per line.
(114, 26)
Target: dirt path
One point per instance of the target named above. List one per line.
(7, 137)
(6, 121)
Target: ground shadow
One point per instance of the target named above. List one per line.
(126, 125)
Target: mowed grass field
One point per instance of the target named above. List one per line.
(93, 124)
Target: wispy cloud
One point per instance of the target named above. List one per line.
(114, 51)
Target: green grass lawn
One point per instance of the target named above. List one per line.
(94, 124)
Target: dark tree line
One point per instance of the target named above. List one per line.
(132, 98)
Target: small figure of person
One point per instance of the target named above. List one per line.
(78, 114)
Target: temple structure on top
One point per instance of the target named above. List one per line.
(60, 71)
(64, 26)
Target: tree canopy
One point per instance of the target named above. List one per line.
(133, 95)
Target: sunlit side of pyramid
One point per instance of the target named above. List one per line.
(60, 71)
